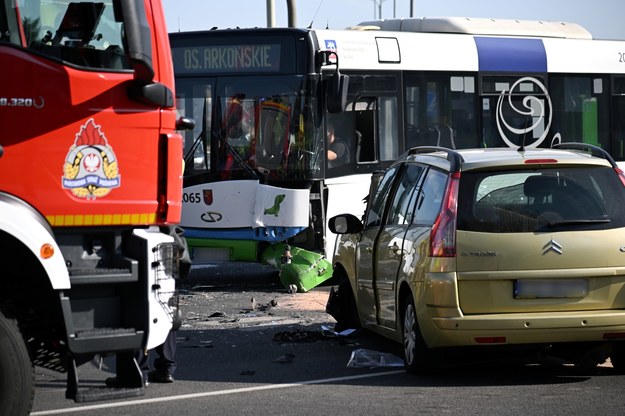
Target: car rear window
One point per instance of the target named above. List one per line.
(547, 199)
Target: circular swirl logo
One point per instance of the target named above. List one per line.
(537, 111)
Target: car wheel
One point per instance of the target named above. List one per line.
(16, 371)
(417, 356)
(342, 307)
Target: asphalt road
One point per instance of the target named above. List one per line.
(248, 346)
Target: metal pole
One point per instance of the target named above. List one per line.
(290, 5)
(411, 8)
(271, 13)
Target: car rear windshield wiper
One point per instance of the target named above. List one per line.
(565, 223)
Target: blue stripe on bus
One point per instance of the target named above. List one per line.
(269, 234)
(511, 55)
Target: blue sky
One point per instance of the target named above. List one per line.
(605, 19)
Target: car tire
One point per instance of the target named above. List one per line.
(17, 375)
(617, 357)
(342, 307)
(418, 358)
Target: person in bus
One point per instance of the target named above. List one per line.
(238, 137)
(338, 151)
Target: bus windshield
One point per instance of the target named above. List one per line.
(252, 128)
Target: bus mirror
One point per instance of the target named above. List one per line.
(336, 95)
(185, 123)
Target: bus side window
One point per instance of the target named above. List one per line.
(364, 124)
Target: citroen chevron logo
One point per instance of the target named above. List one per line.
(552, 246)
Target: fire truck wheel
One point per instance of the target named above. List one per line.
(17, 375)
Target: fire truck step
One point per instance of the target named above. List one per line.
(106, 393)
(100, 332)
(92, 394)
(106, 339)
(99, 276)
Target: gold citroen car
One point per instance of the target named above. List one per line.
(484, 248)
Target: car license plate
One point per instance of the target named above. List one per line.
(550, 288)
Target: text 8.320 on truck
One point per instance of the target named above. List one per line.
(90, 186)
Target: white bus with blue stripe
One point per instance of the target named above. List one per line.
(257, 171)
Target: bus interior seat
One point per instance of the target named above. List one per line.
(426, 136)
(411, 136)
(365, 151)
(445, 136)
(358, 141)
(539, 190)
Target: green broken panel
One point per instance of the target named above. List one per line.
(302, 268)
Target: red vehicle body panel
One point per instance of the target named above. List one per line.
(52, 117)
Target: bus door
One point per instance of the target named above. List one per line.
(618, 118)
(364, 113)
(352, 136)
(194, 99)
(375, 129)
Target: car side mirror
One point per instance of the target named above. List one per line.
(345, 224)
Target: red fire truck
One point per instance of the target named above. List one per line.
(90, 184)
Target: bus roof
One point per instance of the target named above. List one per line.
(479, 26)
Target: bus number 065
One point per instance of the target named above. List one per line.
(192, 197)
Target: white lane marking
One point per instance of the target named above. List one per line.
(210, 393)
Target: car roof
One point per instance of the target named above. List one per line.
(469, 159)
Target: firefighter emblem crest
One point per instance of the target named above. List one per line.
(90, 170)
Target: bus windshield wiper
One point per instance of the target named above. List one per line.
(240, 162)
(189, 164)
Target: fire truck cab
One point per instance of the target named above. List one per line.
(90, 189)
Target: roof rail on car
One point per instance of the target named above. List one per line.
(588, 148)
(454, 158)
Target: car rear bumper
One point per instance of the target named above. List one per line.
(525, 328)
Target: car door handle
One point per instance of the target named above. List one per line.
(395, 249)
(367, 248)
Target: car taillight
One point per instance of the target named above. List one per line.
(443, 234)
(540, 161)
(621, 175)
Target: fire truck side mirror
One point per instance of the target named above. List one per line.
(152, 94)
(138, 39)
